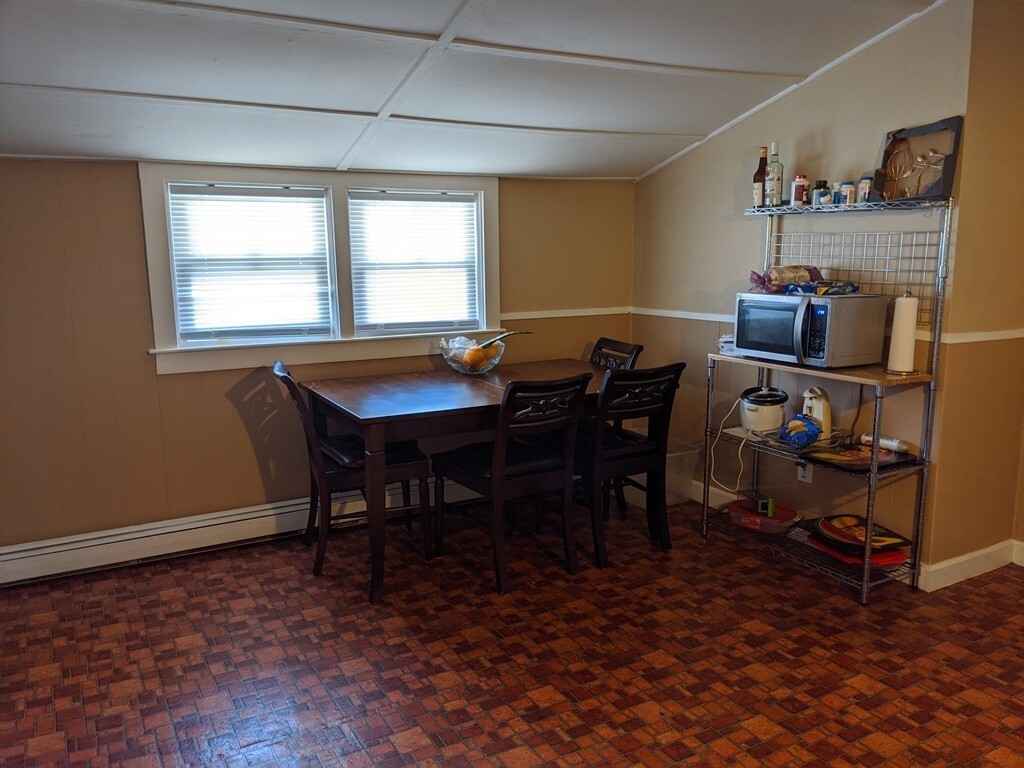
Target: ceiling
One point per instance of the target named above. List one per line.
(546, 88)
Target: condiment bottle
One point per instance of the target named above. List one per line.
(864, 188)
(837, 193)
(820, 194)
(849, 192)
(759, 175)
(773, 178)
(798, 194)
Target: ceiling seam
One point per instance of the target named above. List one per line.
(542, 129)
(608, 62)
(466, 12)
(190, 100)
(284, 19)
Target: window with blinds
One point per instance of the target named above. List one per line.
(251, 264)
(415, 261)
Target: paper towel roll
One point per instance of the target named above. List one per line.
(904, 332)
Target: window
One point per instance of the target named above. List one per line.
(415, 261)
(249, 265)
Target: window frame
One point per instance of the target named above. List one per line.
(170, 358)
(367, 200)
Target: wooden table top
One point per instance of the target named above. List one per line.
(395, 396)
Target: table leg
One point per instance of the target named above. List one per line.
(376, 503)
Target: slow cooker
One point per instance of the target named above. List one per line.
(762, 409)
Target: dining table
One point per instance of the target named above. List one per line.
(391, 407)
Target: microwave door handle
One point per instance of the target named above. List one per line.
(800, 325)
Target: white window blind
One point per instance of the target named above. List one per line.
(415, 261)
(250, 263)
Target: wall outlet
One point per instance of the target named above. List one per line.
(804, 472)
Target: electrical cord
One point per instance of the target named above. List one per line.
(739, 453)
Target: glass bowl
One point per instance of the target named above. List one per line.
(471, 359)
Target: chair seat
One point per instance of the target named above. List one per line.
(342, 450)
(522, 459)
(618, 443)
(348, 452)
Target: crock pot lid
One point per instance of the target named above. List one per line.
(764, 396)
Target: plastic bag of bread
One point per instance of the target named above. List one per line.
(778, 279)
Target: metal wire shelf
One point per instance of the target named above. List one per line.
(887, 263)
(882, 205)
(793, 546)
(905, 465)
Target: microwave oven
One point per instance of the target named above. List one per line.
(820, 331)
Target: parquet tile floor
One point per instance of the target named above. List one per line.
(708, 655)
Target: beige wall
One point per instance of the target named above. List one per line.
(695, 249)
(565, 245)
(981, 415)
(978, 434)
(990, 238)
(93, 439)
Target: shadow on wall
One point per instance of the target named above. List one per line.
(274, 431)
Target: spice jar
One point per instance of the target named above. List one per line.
(864, 189)
(798, 190)
(820, 194)
(849, 192)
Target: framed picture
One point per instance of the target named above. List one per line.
(919, 162)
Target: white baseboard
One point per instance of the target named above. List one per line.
(167, 538)
(938, 575)
(122, 546)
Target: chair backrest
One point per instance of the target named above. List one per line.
(615, 355)
(316, 459)
(642, 393)
(550, 410)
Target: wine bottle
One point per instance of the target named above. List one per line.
(759, 175)
(773, 179)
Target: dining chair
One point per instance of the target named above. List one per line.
(613, 354)
(336, 465)
(607, 451)
(512, 467)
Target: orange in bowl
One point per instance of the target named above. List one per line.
(473, 359)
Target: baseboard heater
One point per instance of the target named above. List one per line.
(165, 538)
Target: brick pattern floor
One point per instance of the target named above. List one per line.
(708, 655)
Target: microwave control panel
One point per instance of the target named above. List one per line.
(816, 337)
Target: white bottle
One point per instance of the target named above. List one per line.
(818, 408)
(887, 443)
(773, 178)
(798, 193)
(864, 189)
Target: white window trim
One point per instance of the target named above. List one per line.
(153, 178)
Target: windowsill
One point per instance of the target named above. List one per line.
(298, 353)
